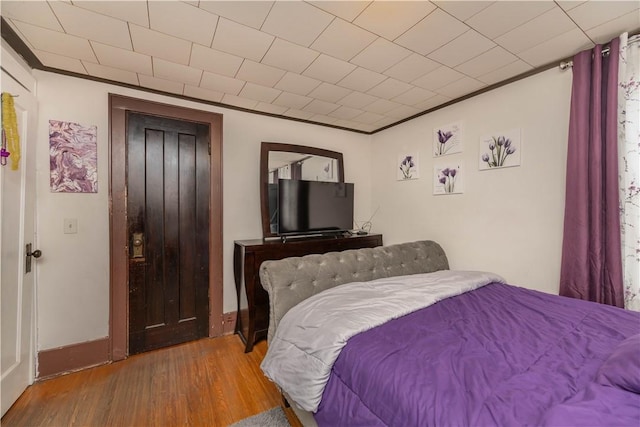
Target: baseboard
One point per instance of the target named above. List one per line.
(62, 360)
(229, 321)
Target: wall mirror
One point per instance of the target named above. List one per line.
(288, 161)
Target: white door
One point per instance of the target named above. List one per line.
(17, 207)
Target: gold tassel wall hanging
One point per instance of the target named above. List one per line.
(10, 136)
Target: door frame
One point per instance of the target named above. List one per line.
(118, 239)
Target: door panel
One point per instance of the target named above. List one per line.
(168, 176)
(17, 207)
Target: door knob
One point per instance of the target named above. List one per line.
(36, 254)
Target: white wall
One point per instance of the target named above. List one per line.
(508, 221)
(73, 285)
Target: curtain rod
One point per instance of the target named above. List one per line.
(564, 65)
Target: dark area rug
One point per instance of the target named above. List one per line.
(272, 418)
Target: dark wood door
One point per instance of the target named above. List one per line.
(168, 187)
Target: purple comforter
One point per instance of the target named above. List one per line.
(499, 355)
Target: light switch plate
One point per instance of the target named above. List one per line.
(70, 225)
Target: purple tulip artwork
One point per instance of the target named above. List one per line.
(447, 180)
(500, 150)
(73, 157)
(446, 139)
(407, 167)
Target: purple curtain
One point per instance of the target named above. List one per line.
(591, 254)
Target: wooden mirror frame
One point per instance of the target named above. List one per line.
(268, 147)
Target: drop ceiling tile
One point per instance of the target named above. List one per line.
(540, 29)
(289, 56)
(176, 72)
(239, 102)
(414, 96)
(568, 4)
(320, 107)
(412, 67)
(161, 84)
(321, 118)
(221, 83)
(191, 2)
(132, 11)
(364, 127)
(490, 60)
(347, 10)
(462, 10)
(328, 69)
(251, 13)
(122, 58)
(298, 114)
(437, 78)
(330, 93)
(343, 40)
(182, 20)
(606, 32)
(295, 83)
(270, 108)
(403, 111)
(461, 87)
(389, 88)
(202, 93)
(390, 19)
(208, 59)
(296, 21)
(503, 16)
(241, 40)
(109, 73)
(432, 102)
(94, 26)
(362, 79)
(291, 100)
(381, 106)
(387, 121)
(380, 55)
(357, 100)
(506, 72)
(556, 49)
(153, 43)
(12, 24)
(346, 113)
(368, 118)
(35, 12)
(463, 48)
(347, 124)
(56, 42)
(593, 13)
(60, 62)
(259, 73)
(434, 31)
(259, 93)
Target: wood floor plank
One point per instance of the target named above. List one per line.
(209, 382)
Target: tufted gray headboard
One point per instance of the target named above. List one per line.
(291, 280)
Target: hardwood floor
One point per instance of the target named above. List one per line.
(209, 382)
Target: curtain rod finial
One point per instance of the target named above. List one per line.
(566, 64)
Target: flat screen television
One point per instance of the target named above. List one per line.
(309, 207)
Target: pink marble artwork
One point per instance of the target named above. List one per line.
(73, 157)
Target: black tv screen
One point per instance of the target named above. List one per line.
(314, 207)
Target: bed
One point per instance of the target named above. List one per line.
(389, 336)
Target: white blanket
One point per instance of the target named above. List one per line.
(311, 335)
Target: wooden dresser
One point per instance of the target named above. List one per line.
(249, 254)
